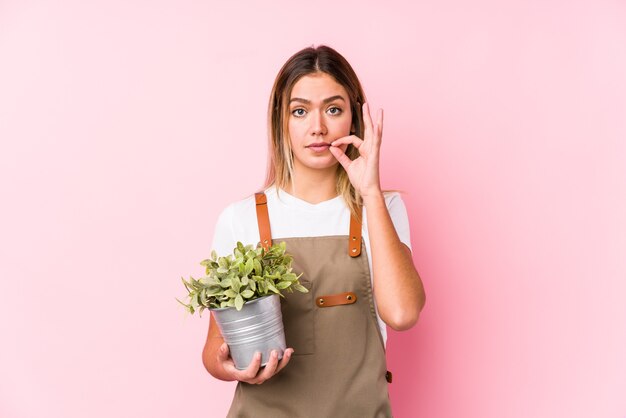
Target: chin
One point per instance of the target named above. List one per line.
(321, 165)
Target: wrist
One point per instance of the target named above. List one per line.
(373, 198)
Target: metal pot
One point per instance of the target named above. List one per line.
(258, 326)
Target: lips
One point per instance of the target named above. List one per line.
(318, 146)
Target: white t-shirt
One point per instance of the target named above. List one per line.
(294, 217)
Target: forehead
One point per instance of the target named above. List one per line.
(317, 86)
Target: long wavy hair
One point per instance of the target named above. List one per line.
(311, 60)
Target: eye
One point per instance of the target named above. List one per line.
(334, 111)
(298, 112)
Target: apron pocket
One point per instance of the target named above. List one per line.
(298, 311)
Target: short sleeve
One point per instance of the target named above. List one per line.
(399, 217)
(223, 239)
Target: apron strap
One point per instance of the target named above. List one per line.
(354, 242)
(263, 219)
(265, 234)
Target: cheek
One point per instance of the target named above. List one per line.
(346, 123)
(294, 127)
(293, 132)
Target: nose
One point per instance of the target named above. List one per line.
(318, 126)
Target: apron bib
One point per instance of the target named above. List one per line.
(338, 368)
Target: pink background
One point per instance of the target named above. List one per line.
(126, 126)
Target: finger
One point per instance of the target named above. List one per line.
(270, 368)
(222, 353)
(341, 157)
(350, 139)
(379, 123)
(226, 361)
(252, 370)
(285, 360)
(367, 121)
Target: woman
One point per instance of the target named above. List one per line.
(349, 239)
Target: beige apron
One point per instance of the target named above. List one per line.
(338, 368)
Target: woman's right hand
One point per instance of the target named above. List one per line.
(253, 374)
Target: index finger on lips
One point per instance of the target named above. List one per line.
(350, 139)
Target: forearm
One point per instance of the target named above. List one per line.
(209, 354)
(398, 289)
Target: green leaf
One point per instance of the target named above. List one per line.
(289, 277)
(230, 293)
(187, 285)
(245, 280)
(194, 300)
(258, 270)
(226, 283)
(247, 293)
(249, 266)
(283, 285)
(223, 262)
(236, 284)
(300, 288)
(214, 291)
(252, 285)
(238, 302)
(271, 287)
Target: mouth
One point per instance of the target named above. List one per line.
(318, 146)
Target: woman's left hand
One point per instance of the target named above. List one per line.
(363, 171)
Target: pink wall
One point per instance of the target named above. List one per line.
(126, 126)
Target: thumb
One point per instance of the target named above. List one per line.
(340, 156)
(222, 352)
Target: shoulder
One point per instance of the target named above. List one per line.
(235, 222)
(240, 207)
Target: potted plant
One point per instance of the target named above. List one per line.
(242, 291)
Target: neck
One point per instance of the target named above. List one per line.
(313, 185)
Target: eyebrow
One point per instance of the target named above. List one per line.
(328, 100)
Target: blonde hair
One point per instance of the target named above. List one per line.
(311, 60)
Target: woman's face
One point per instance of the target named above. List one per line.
(319, 113)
